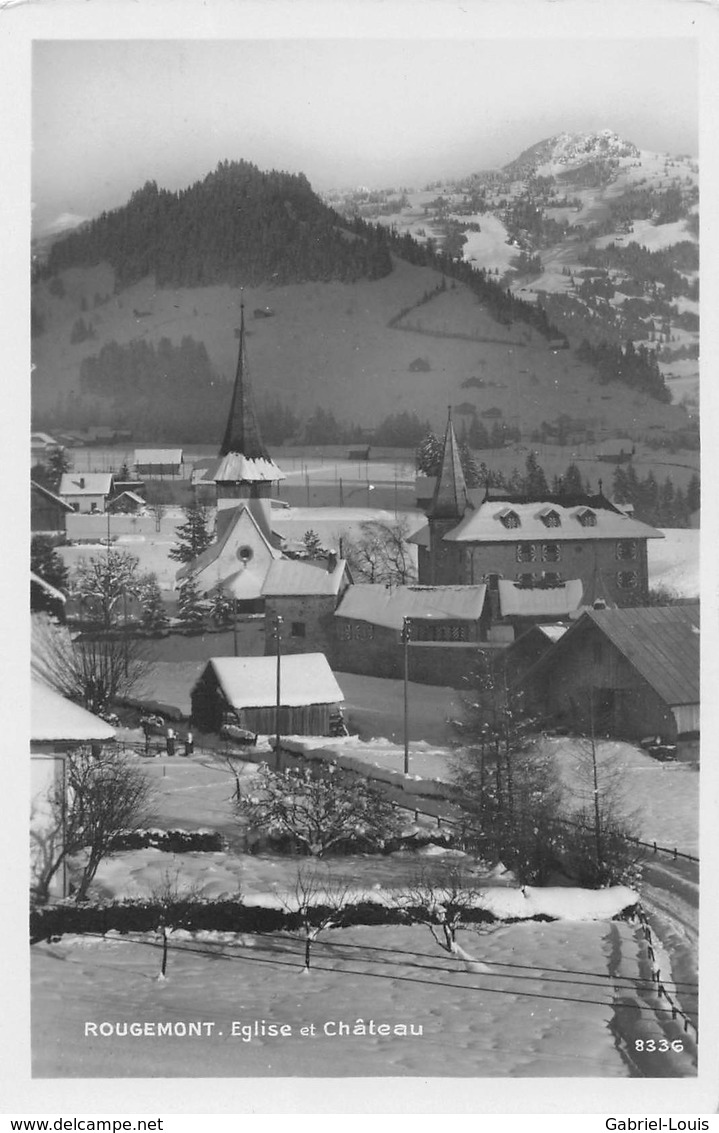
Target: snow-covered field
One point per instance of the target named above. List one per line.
(674, 561)
(543, 1006)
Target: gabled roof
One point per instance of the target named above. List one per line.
(86, 484)
(533, 601)
(131, 495)
(158, 456)
(287, 577)
(43, 491)
(389, 608)
(484, 525)
(247, 581)
(661, 642)
(54, 718)
(251, 682)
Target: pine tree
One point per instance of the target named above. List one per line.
(221, 608)
(535, 482)
(312, 545)
(192, 614)
(572, 481)
(693, 496)
(193, 535)
(154, 612)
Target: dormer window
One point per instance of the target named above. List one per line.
(550, 518)
(509, 517)
(587, 517)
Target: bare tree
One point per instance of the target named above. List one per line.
(444, 900)
(317, 900)
(94, 673)
(318, 809)
(103, 796)
(169, 895)
(600, 840)
(382, 554)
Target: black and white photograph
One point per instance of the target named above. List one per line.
(363, 530)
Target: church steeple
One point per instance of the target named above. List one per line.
(450, 499)
(246, 468)
(242, 434)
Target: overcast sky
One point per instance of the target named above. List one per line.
(110, 115)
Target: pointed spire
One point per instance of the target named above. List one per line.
(242, 434)
(450, 493)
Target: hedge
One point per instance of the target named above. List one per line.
(170, 841)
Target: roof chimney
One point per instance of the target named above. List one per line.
(82, 481)
(331, 562)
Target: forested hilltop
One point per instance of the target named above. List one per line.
(238, 226)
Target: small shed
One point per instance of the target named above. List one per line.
(245, 690)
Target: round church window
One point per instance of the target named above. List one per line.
(244, 554)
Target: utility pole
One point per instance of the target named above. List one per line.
(405, 642)
(278, 636)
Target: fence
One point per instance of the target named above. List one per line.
(656, 975)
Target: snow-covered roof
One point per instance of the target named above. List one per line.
(389, 608)
(158, 456)
(485, 525)
(251, 682)
(51, 591)
(288, 577)
(86, 484)
(235, 468)
(42, 439)
(247, 580)
(43, 491)
(131, 495)
(54, 718)
(529, 601)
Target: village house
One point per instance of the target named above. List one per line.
(631, 673)
(445, 629)
(532, 541)
(305, 596)
(86, 492)
(243, 691)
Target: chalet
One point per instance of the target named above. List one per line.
(243, 690)
(156, 463)
(629, 672)
(47, 510)
(542, 541)
(444, 625)
(305, 595)
(86, 492)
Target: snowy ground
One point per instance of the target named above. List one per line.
(674, 561)
(517, 1019)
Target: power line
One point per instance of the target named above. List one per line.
(404, 979)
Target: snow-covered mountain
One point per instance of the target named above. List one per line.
(552, 155)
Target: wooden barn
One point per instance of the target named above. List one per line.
(243, 690)
(630, 672)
